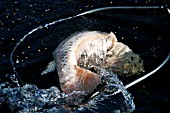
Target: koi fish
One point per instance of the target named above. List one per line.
(71, 76)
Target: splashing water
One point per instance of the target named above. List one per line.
(112, 81)
(31, 99)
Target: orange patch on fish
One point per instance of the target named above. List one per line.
(84, 80)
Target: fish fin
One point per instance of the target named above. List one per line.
(51, 67)
(113, 36)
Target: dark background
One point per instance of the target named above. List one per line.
(17, 18)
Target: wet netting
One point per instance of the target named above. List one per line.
(23, 89)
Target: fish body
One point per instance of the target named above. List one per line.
(87, 43)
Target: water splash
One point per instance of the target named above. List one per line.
(29, 98)
(9, 95)
(112, 81)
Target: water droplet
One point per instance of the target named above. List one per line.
(47, 10)
(21, 40)
(17, 61)
(168, 10)
(18, 18)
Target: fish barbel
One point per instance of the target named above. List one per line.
(88, 43)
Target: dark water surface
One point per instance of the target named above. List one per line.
(145, 31)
